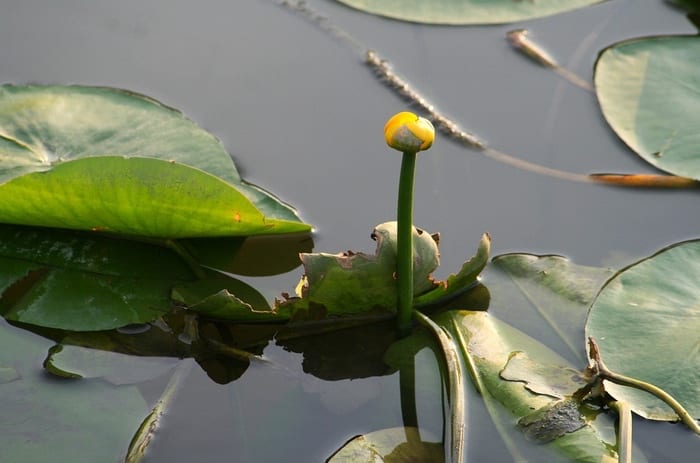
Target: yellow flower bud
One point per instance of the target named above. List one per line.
(409, 133)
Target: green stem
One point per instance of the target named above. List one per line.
(454, 440)
(409, 412)
(653, 390)
(404, 251)
(604, 373)
(624, 431)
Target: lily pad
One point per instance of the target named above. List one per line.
(458, 283)
(227, 299)
(351, 283)
(395, 445)
(646, 321)
(527, 288)
(489, 344)
(110, 160)
(80, 282)
(649, 90)
(354, 283)
(464, 12)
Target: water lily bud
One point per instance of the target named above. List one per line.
(409, 133)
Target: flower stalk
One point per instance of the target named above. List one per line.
(410, 134)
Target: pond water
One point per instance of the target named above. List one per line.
(303, 116)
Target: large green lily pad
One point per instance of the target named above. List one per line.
(646, 321)
(111, 160)
(649, 90)
(463, 12)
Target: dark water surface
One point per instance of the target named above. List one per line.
(303, 117)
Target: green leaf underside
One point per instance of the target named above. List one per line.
(462, 280)
(489, 345)
(46, 129)
(465, 12)
(133, 196)
(646, 321)
(649, 92)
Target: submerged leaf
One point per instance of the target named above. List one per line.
(646, 321)
(79, 421)
(648, 91)
(466, 11)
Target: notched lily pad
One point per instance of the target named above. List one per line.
(646, 321)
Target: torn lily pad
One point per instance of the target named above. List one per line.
(351, 283)
(554, 380)
(459, 282)
(354, 283)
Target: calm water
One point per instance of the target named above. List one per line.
(303, 117)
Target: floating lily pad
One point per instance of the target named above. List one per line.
(489, 345)
(464, 12)
(646, 321)
(81, 282)
(357, 283)
(395, 445)
(649, 92)
(351, 283)
(528, 288)
(110, 160)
